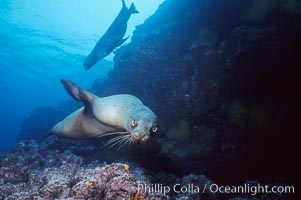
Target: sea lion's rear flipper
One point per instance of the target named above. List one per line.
(79, 94)
(46, 136)
(49, 134)
(133, 9)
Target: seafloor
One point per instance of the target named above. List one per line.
(52, 170)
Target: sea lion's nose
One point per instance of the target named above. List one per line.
(142, 134)
(143, 137)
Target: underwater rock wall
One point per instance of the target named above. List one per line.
(166, 64)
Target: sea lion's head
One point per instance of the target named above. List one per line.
(142, 125)
(90, 60)
(95, 56)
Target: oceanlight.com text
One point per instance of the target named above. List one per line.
(249, 189)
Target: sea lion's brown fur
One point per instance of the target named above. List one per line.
(101, 116)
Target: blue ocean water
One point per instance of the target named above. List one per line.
(42, 42)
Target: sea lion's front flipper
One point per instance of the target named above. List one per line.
(79, 94)
(117, 43)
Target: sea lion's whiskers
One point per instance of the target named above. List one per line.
(128, 142)
(121, 144)
(114, 133)
(122, 132)
(121, 140)
(115, 140)
(118, 141)
(131, 142)
(112, 141)
(124, 142)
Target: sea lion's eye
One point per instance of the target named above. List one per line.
(154, 129)
(134, 123)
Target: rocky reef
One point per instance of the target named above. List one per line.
(54, 170)
(39, 171)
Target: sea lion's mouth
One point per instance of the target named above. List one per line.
(142, 141)
(140, 138)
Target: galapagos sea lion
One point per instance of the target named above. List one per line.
(112, 38)
(123, 116)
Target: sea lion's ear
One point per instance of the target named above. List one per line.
(77, 93)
